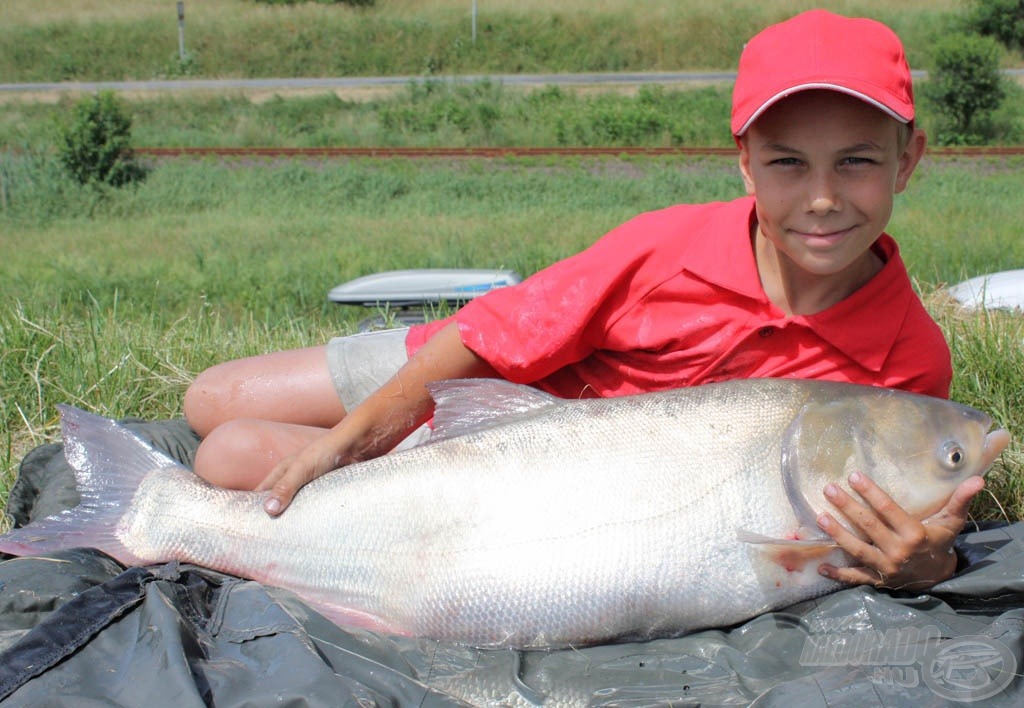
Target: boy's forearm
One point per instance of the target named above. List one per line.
(403, 403)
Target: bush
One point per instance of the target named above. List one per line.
(435, 105)
(96, 146)
(1002, 19)
(965, 87)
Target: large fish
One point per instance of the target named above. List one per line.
(531, 521)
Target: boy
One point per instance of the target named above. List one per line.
(798, 279)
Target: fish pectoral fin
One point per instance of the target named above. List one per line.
(817, 541)
(791, 554)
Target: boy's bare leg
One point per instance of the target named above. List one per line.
(253, 412)
(240, 453)
(291, 386)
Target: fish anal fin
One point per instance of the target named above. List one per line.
(354, 619)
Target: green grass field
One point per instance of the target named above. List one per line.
(48, 40)
(113, 300)
(58, 40)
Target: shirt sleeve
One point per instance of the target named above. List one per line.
(561, 314)
(921, 361)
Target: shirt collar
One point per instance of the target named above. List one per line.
(864, 326)
(726, 259)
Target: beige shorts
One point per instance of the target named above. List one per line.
(359, 364)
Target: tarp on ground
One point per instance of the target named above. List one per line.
(77, 628)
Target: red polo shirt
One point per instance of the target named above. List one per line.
(673, 298)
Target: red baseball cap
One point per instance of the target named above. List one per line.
(821, 50)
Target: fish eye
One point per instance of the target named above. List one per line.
(953, 455)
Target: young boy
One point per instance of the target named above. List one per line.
(798, 279)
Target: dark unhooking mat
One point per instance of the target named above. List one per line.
(77, 628)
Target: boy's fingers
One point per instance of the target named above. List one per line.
(278, 499)
(882, 505)
(852, 576)
(959, 504)
(919, 554)
(280, 487)
(866, 518)
(269, 481)
(283, 490)
(284, 482)
(864, 552)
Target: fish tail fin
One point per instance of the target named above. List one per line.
(109, 462)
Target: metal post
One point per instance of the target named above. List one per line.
(181, 30)
(474, 21)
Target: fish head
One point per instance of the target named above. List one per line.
(916, 448)
(922, 448)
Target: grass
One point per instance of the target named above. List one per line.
(60, 39)
(113, 300)
(436, 113)
(138, 39)
(427, 114)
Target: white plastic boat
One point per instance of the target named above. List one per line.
(406, 296)
(416, 288)
(1004, 290)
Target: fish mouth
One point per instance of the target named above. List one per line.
(995, 442)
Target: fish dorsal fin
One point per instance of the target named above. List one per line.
(823, 444)
(467, 405)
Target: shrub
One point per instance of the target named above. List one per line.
(434, 105)
(965, 87)
(96, 146)
(1002, 19)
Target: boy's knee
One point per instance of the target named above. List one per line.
(204, 401)
(229, 456)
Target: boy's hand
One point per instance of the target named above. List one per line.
(380, 422)
(292, 473)
(900, 552)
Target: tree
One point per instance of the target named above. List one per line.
(964, 87)
(1002, 19)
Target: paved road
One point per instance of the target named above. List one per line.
(351, 82)
(344, 82)
(363, 82)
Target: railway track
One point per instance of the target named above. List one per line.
(496, 152)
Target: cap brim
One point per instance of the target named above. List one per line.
(905, 115)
